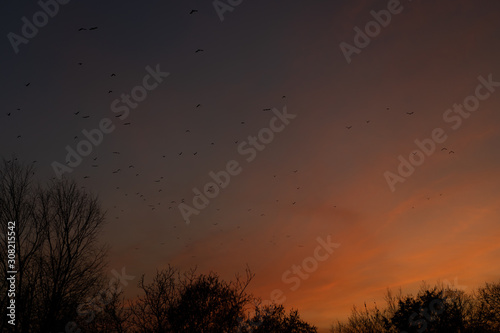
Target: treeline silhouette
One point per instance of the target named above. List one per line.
(433, 309)
(62, 285)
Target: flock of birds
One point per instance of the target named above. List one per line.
(130, 168)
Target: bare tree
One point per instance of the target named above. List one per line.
(18, 204)
(274, 319)
(487, 307)
(209, 304)
(150, 312)
(59, 260)
(109, 313)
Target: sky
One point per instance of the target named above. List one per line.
(347, 160)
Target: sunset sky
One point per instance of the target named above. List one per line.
(314, 177)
